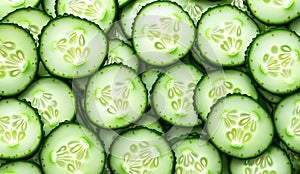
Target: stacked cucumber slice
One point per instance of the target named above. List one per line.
(150, 86)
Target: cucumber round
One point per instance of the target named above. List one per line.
(20, 129)
(20, 167)
(163, 33)
(141, 150)
(273, 60)
(71, 47)
(236, 123)
(18, 59)
(71, 148)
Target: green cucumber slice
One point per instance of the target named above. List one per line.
(71, 148)
(218, 84)
(163, 33)
(172, 95)
(224, 41)
(236, 123)
(274, 60)
(8, 6)
(20, 167)
(141, 150)
(53, 99)
(71, 47)
(287, 121)
(195, 155)
(115, 97)
(18, 59)
(101, 12)
(274, 160)
(20, 129)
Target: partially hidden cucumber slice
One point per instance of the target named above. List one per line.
(274, 160)
(224, 41)
(274, 60)
(8, 6)
(71, 47)
(101, 12)
(29, 18)
(195, 155)
(236, 123)
(21, 130)
(18, 59)
(115, 97)
(287, 121)
(71, 148)
(163, 33)
(53, 99)
(141, 150)
(20, 167)
(172, 95)
(218, 84)
(275, 11)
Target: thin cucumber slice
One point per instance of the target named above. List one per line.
(287, 121)
(101, 12)
(21, 130)
(194, 155)
(224, 41)
(53, 99)
(8, 6)
(218, 84)
(163, 33)
(172, 95)
(295, 25)
(20, 167)
(141, 150)
(149, 78)
(18, 59)
(129, 13)
(120, 52)
(29, 18)
(71, 47)
(115, 97)
(274, 160)
(48, 7)
(236, 123)
(71, 148)
(273, 60)
(274, 11)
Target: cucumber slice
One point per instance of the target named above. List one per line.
(115, 97)
(236, 123)
(54, 101)
(218, 84)
(20, 167)
(287, 121)
(274, 11)
(141, 150)
(172, 95)
(101, 12)
(224, 41)
(129, 13)
(194, 155)
(29, 18)
(295, 25)
(274, 160)
(273, 60)
(8, 6)
(163, 33)
(71, 47)
(18, 59)
(120, 52)
(48, 7)
(71, 148)
(21, 130)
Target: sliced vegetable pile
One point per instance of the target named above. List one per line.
(149, 86)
